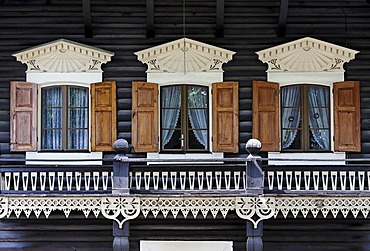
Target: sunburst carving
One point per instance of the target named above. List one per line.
(306, 55)
(64, 56)
(184, 55)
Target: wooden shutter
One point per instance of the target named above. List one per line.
(145, 117)
(103, 116)
(347, 131)
(23, 116)
(266, 115)
(225, 117)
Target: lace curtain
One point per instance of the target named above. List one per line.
(78, 118)
(171, 102)
(291, 114)
(197, 105)
(318, 97)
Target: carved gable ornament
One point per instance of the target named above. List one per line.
(184, 55)
(64, 56)
(306, 55)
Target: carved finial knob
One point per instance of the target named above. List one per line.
(253, 146)
(121, 146)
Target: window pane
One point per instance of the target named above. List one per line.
(198, 139)
(171, 97)
(51, 118)
(78, 118)
(319, 117)
(78, 139)
(174, 141)
(319, 139)
(291, 139)
(77, 97)
(318, 96)
(51, 96)
(51, 139)
(197, 97)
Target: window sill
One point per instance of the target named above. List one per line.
(289, 159)
(42, 158)
(194, 156)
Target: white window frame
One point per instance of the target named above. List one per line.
(71, 158)
(317, 78)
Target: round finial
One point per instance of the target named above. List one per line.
(253, 146)
(121, 146)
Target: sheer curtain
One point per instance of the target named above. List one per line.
(291, 114)
(319, 115)
(197, 112)
(78, 118)
(171, 103)
(51, 118)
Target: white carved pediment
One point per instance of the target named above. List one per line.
(306, 55)
(64, 56)
(184, 55)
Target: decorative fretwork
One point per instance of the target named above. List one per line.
(255, 209)
(194, 206)
(32, 66)
(120, 209)
(124, 208)
(154, 65)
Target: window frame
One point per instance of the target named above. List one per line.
(39, 115)
(185, 129)
(65, 118)
(304, 127)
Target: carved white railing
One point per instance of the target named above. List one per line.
(358, 180)
(188, 180)
(56, 181)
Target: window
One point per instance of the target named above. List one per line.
(305, 118)
(66, 121)
(184, 118)
(308, 120)
(64, 118)
(187, 121)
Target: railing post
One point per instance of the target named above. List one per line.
(254, 178)
(254, 168)
(121, 187)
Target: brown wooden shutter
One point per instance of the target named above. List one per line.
(266, 115)
(103, 116)
(23, 116)
(347, 131)
(225, 117)
(145, 117)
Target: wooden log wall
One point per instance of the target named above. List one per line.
(120, 27)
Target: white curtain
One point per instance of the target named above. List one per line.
(171, 103)
(319, 115)
(197, 112)
(51, 118)
(291, 114)
(78, 118)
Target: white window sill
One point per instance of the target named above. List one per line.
(41, 158)
(328, 159)
(194, 156)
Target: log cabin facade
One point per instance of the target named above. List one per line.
(161, 125)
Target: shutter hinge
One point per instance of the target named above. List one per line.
(333, 138)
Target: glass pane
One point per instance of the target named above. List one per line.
(198, 139)
(198, 118)
(51, 96)
(51, 139)
(197, 97)
(78, 97)
(171, 118)
(291, 117)
(291, 96)
(78, 139)
(51, 118)
(171, 97)
(171, 139)
(319, 117)
(318, 96)
(78, 118)
(319, 139)
(291, 139)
